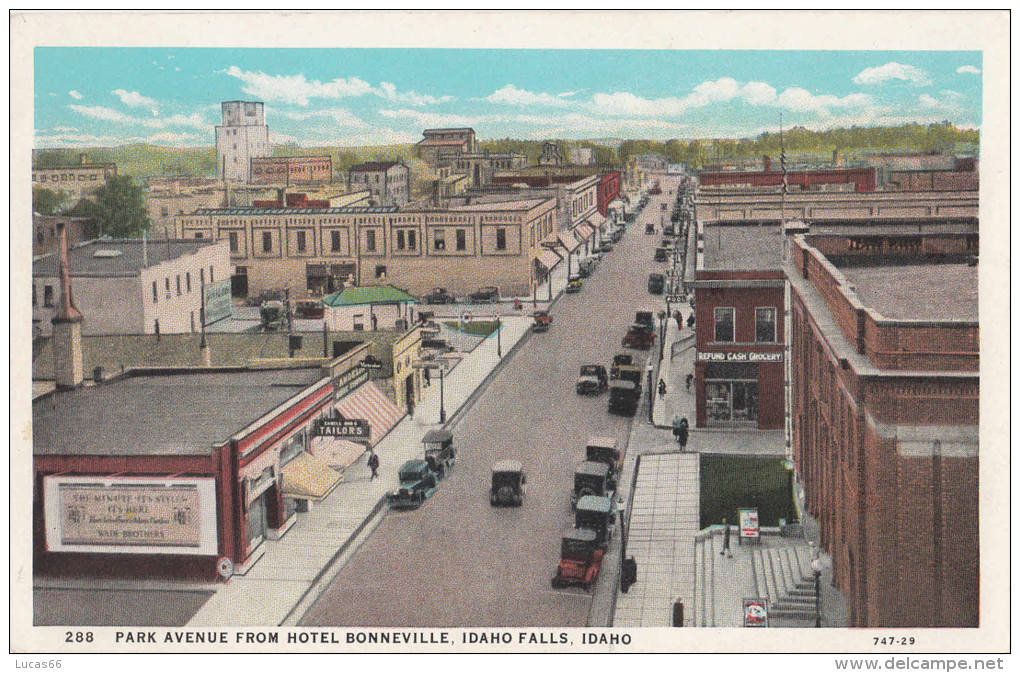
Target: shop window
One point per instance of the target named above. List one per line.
(412, 242)
(724, 324)
(380, 270)
(199, 234)
(439, 239)
(370, 240)
(461, 239)
(301, 243)
(765, 325)
(501, 239)
(400, 240)
(267, 242)
(731, 401)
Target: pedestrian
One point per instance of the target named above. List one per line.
(690, 321)
(682, 434)
(373, 464)
(679, 317)
(427, 376)
(517, 304)
(688, 380)
(662, 388)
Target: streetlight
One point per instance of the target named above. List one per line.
(442, 396)
(662, 333)
(818, 564)
(499, 339)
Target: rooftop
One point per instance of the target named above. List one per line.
(118, 257)
(373, 166)
(439, 141)
(510, 204)
(175, 414)
(742, 247)
(343, 210)
(919, 291)
(369, 294)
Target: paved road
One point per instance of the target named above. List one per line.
(459, 562)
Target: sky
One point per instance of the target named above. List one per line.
(89, 97)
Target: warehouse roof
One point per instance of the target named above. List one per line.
(173, 414)
(373, 166)
(743, 247)
(118, 257)
(918, 291)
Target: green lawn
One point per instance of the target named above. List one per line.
(729, 483)
(475, 327)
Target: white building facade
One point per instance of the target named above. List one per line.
(243, 136)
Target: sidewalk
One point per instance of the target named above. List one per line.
(291, 566)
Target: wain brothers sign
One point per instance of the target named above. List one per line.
(130, 515)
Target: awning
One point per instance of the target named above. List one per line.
(568, 241)
(584, 231)
(308, 478)
(547, 258)
(339, 454)
(371, 404)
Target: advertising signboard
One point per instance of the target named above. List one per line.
(756, 612)
(130, 515)
(344, 427)
(737, 356)
(749, 523)
(218, 304)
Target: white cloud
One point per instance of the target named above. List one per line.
(969, 69)
(73, 140)
(437, 119)
(74, 94)
(338, 115)
(388, 90)
(296, 89)
(135, 99)
(947, 101)
(511, 95)
(109, 114)
(802, 100)
(893, 71)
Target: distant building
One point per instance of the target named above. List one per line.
(389, 182)
(291, 170)
(862, 179)
(78, 181)
(243, 136)
(480, 168)
(550, 155)
(44, 232)
(440, 145)
(582, 156)
(368, 308)
(126, 286)
(163, 206)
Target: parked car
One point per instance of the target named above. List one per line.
(644, 318)
(606, 246)
(662, 254)
(543, 320)
(487, 294)
(417, 484)
(623, 397)
(585, 267)
(592, 380)
(650, 229)
(273, 314)
(597, 513)
(603, 450)
(580, 559)
(639, 336)
(508, 484)
(309, 309)
(574, 285)
(439, 295)
(590, 478)
(630, 373)
(656, 283)
(616, 235)
(440, 453)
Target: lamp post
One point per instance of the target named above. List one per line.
(662, 333)
(499, 337)
(818, 564)
(442, 396)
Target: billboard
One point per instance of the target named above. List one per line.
(130, 515)
(749, 523)
(218, 303)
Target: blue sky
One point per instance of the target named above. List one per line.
(349, 97)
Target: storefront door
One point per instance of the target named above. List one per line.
(256, 519)
(731, 393)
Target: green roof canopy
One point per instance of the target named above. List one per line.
(370, 294)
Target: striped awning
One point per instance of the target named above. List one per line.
(568, 241)
(547, 258)
(584, 231)
(308, 478)
(338, 453)
(371, 404)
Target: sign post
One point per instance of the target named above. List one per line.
(749, 528)
(756, 612)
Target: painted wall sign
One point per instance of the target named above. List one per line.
(739, 356)
(218, 304)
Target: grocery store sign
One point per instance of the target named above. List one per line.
(130, 515)
(739, 356)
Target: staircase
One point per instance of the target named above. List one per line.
(784, 576)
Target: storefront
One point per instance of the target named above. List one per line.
(740, 388)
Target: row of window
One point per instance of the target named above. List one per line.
(186, 288)
(405, 240)
(64, 177)
(764, 324)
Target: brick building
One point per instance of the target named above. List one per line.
(885, 383)
(291, 170)
(389, 182)
(863, 179)
(44, 232)
(77, 181)
(441, 145)
(480, 167)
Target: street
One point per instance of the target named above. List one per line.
(457, 561)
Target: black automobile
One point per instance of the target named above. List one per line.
(439, 295)
(590, 478)
(661, 254)
(597, 513)
(593, 380)
(650, 229)
(440, 453)
(656, 283)
(487, 294)
(508, 484)
(623, 397)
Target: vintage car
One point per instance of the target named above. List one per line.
(620, 359)
(630, 373)
(592, 380)
(606, 246)
(639, 336)
(417, 484)
(645, 318)
(624, 397)
(487, 294)
(543, 320)
(508, 484)
(309, 309)
(616, 235)
(586, 267)
(274, 315)
(603, 450)
(575, 284)
(650, 228)
(590, 478)
(662, 254)
(439, 295)
(656, 283)
(439, 452)
(597, 513)
(580, 559)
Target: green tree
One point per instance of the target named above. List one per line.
(48, 202)
(118, 208)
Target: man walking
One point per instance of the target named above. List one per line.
(373, 464)
(681, 435)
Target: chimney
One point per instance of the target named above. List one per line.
(68, 362)
(766, 162)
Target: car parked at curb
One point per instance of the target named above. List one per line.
(488, 294)
(439, 295)
(417, 484)
(592, 380)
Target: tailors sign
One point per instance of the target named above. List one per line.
(342, 427)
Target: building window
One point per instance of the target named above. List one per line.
(370, 240)
(48, 296)
(501, 239)
(166, 286)
(201, 276)
(267, 242)
(178, 285)
(163, 211)
(380, 271)
(301, 241)
(212, 275)
(187, 281)
(765, 325)
(233, 241)
(411, 242)
(439, 239)
(461, 240)
(724, 324)
(35, 296)
(400, 240)
(334, 241)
